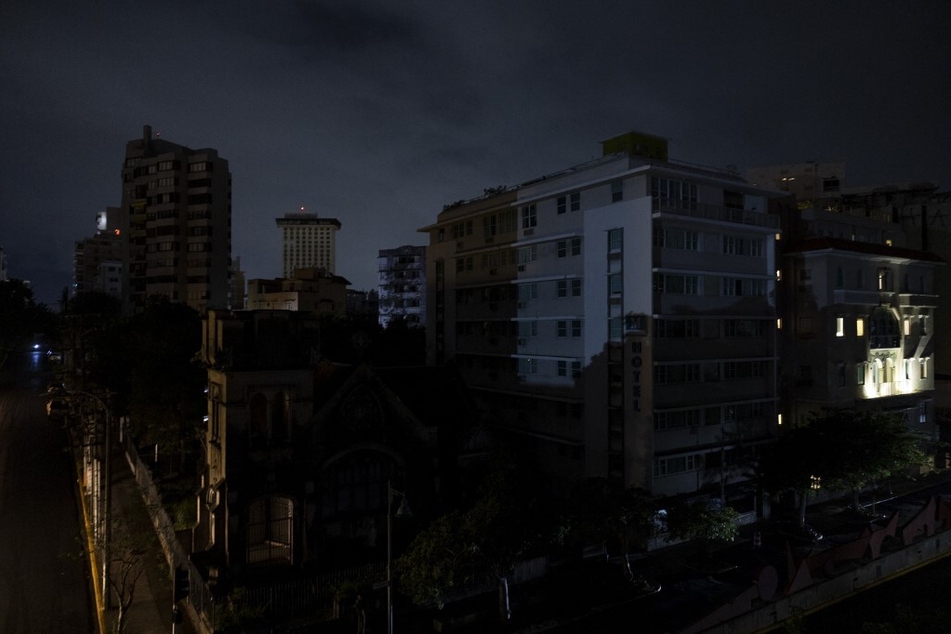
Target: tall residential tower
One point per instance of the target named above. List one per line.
(175, 217)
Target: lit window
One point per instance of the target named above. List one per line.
(907, 326)
(840, 326)
(860, 326)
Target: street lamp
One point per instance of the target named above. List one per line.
(402, 511)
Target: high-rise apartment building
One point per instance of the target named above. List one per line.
(402, 286)
(175, 220)
(617, 318)
(308, 242)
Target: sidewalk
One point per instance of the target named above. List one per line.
(138, 567)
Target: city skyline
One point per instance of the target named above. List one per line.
(380, 115)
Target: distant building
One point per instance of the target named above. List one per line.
(97, 261)
(806, 181)
(310, 290)
(238, 285)
(402, 287)
(308, 242)
(617, 318)
(175, 224)
(363, 304)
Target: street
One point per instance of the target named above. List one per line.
(44, 568)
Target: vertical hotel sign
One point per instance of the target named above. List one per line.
(638, 426)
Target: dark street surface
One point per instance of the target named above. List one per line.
(44, 571)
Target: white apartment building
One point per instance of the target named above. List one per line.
(616, 318)
(308, 242)
(402, 285)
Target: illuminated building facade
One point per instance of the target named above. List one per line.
(402, 286)
(175, 220)
(859, 328)
(308, 242)
(617, 318)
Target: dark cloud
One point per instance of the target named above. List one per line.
(379, 112)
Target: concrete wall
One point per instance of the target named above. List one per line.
(824, 592)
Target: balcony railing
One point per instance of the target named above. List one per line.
(706, 211)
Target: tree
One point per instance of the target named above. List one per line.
(605, 510)
(843, 449)
(20, 316)
(505, 523)
(870, 446)
(699, 521)
(167, 399)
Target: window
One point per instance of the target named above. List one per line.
(884, 279)
(575, 246)
(529, 217)
(527, 366)
(564, 327)
(507, 221)
(906, 324)
(734, 287)
(742, 328)
(860, 326)
(489, 227)
(561, 248)
(860, 373)
(677, 239)
(527, 292)
(733, 370)
(562, 205)
(615, 329)
(840, 326)
(566, 247)
(615, 240)
(677, 328)
(839, 278)
(674, 284)
(572, 368)
(677, 464)
(923, 367)
(614, 284)
(564, 287)
(677, 373)
(617, 191)
(528, 329)
(574, 201)
(527, 254)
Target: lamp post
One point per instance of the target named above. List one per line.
(402, 511)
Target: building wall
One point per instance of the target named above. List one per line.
(308, 242)
(175, 222)
(402, 285)
(554, 327)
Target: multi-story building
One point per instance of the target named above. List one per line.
(402, 287)
(310, 290)
(175, 220)
(238, 285)
(308, 242)
(617, 318)
(806, 181)
(97, 261)
(363, 304)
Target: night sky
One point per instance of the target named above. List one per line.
(379, 113)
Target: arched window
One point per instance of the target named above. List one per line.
(258, 420)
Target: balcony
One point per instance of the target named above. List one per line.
(717, 213)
